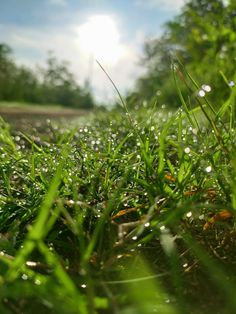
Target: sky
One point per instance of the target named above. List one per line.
(83, 31)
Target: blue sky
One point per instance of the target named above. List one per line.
(32, 28)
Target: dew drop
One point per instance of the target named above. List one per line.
(195, 131)
(24, 277)
(208, 169)
(206, 88)
(187, 150)
(201, 217)
(37, 282)
(201, 93)
(189, 214)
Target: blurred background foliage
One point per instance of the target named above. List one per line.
(202, 37)
(51, 84)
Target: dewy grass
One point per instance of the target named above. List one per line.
(101, 217)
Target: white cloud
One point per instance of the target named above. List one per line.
(171, 5)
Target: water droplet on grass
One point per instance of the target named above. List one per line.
(208, 169)
(206, 88)
(201, 93)
(24, 277)
(187, 150)
(37, 282)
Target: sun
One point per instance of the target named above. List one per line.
(99, 37)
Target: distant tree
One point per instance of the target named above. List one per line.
(7, 73)
(203, 36)
(26, 85)
(52, 84)
(59, 86)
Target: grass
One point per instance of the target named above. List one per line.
(121, 213)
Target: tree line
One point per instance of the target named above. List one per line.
(203, 38)
(51, 84)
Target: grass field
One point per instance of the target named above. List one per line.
(121, 212)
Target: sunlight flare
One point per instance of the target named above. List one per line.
(99, 37)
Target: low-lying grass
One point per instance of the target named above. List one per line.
(124, 213)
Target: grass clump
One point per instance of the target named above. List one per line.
(121, 214)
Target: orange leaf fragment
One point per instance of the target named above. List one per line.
(169, 177)
(124, 212)
(222, 215)
(190, 193)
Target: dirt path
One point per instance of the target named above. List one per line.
(26, 118)
(12, 112)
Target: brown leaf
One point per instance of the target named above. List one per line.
(222, 215)
(124, 212)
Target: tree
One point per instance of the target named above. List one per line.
(7, 73)
(60, 86)
(203, 36)
(53, 84)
